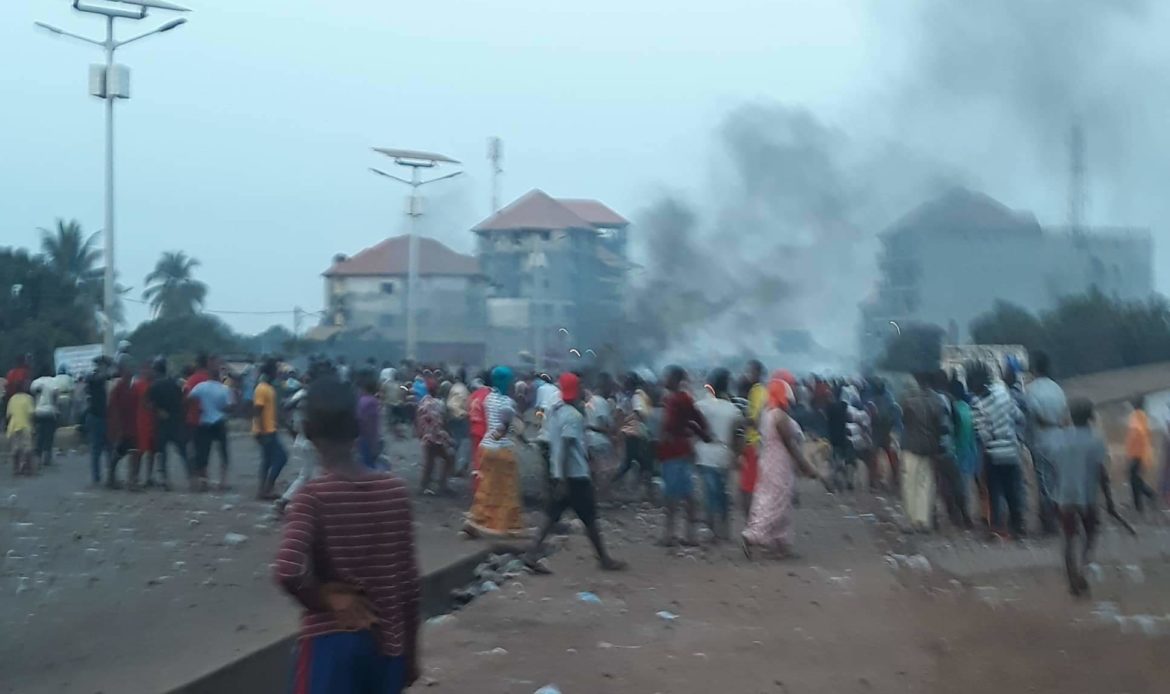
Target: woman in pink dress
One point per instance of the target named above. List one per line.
(781, 455)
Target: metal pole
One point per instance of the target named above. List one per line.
(108, 289)
(412, 268)
(537, 291)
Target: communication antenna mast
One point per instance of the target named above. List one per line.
(1076, 179)
(496, 157)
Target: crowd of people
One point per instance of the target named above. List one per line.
(958, 446)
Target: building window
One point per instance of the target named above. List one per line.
(387, 287)
(386, 320)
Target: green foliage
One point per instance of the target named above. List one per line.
(274, 340)
(39, 309)
(171, 287)
(1084, 334)
(183, 336)
(915, 348)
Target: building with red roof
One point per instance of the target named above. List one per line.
(366, 294)
(558, 270)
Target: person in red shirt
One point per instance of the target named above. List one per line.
(681, 423)
(348, 557)
(122, 425)
(202, 373)
(477, 419)
(144, 427)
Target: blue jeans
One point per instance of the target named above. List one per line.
(272, 460)
(96, 428)
(677, 484)
(345, 663)
(715, 490)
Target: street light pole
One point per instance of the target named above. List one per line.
(108, 281)
(109, 91)
(416, 161)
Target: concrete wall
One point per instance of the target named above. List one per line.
(268, 669)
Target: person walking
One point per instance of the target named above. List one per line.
(457, 423)
(46, 394)
(769, 523)
(1048, 415)
(1139, 451)
(369, 414)
(435, 440)
(145, 430)
(122, 427)
(273, 457)
(714, 459)
(19, 413)
(495, 510)
(165, 398)
(212, 400)
(633, 411)
(1083, 472)
(922, 416)
(681, 423)
(96, 415)
(997, 423)
(572, 481)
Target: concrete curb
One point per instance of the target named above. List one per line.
(266, 670)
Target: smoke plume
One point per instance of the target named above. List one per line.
(986, 99)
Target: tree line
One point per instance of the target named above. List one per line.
(1083, 334)
(53, 298)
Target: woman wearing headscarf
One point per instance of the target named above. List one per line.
(495, 510)
(781, 455)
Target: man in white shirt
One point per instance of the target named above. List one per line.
(714, 458)
(45, 391)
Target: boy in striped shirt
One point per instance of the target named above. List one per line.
(347, 556)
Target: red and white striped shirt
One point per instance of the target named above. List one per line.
(357, 532)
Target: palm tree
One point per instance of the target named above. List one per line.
(171, 289)
(70, 252)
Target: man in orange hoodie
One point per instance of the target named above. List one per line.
(1139, 450)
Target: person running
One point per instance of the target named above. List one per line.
(681, 423)
(599, 431)
(304, 460)
(1083, 471)
(1139, 451)
(922, 414)
(212, 401)
(19, 416)
(347, 555)
(1048, 415)
(431, 429)
(165, 398)
(572, 482)
(273, 457)
(997, 422)
(46, 393)
(769, 524)
(495, 510)
(714, 459)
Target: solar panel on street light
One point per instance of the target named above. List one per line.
(155, 4)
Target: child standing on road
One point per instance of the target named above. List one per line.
(1083, 470)
(347, 556)
(20, 417)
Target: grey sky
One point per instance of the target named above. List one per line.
(246, 142)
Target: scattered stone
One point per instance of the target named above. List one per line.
(667, 615)
(441, 619)
(548, 689)
(488, 587)
(585, 596)
(495, 651)
(234, 539)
